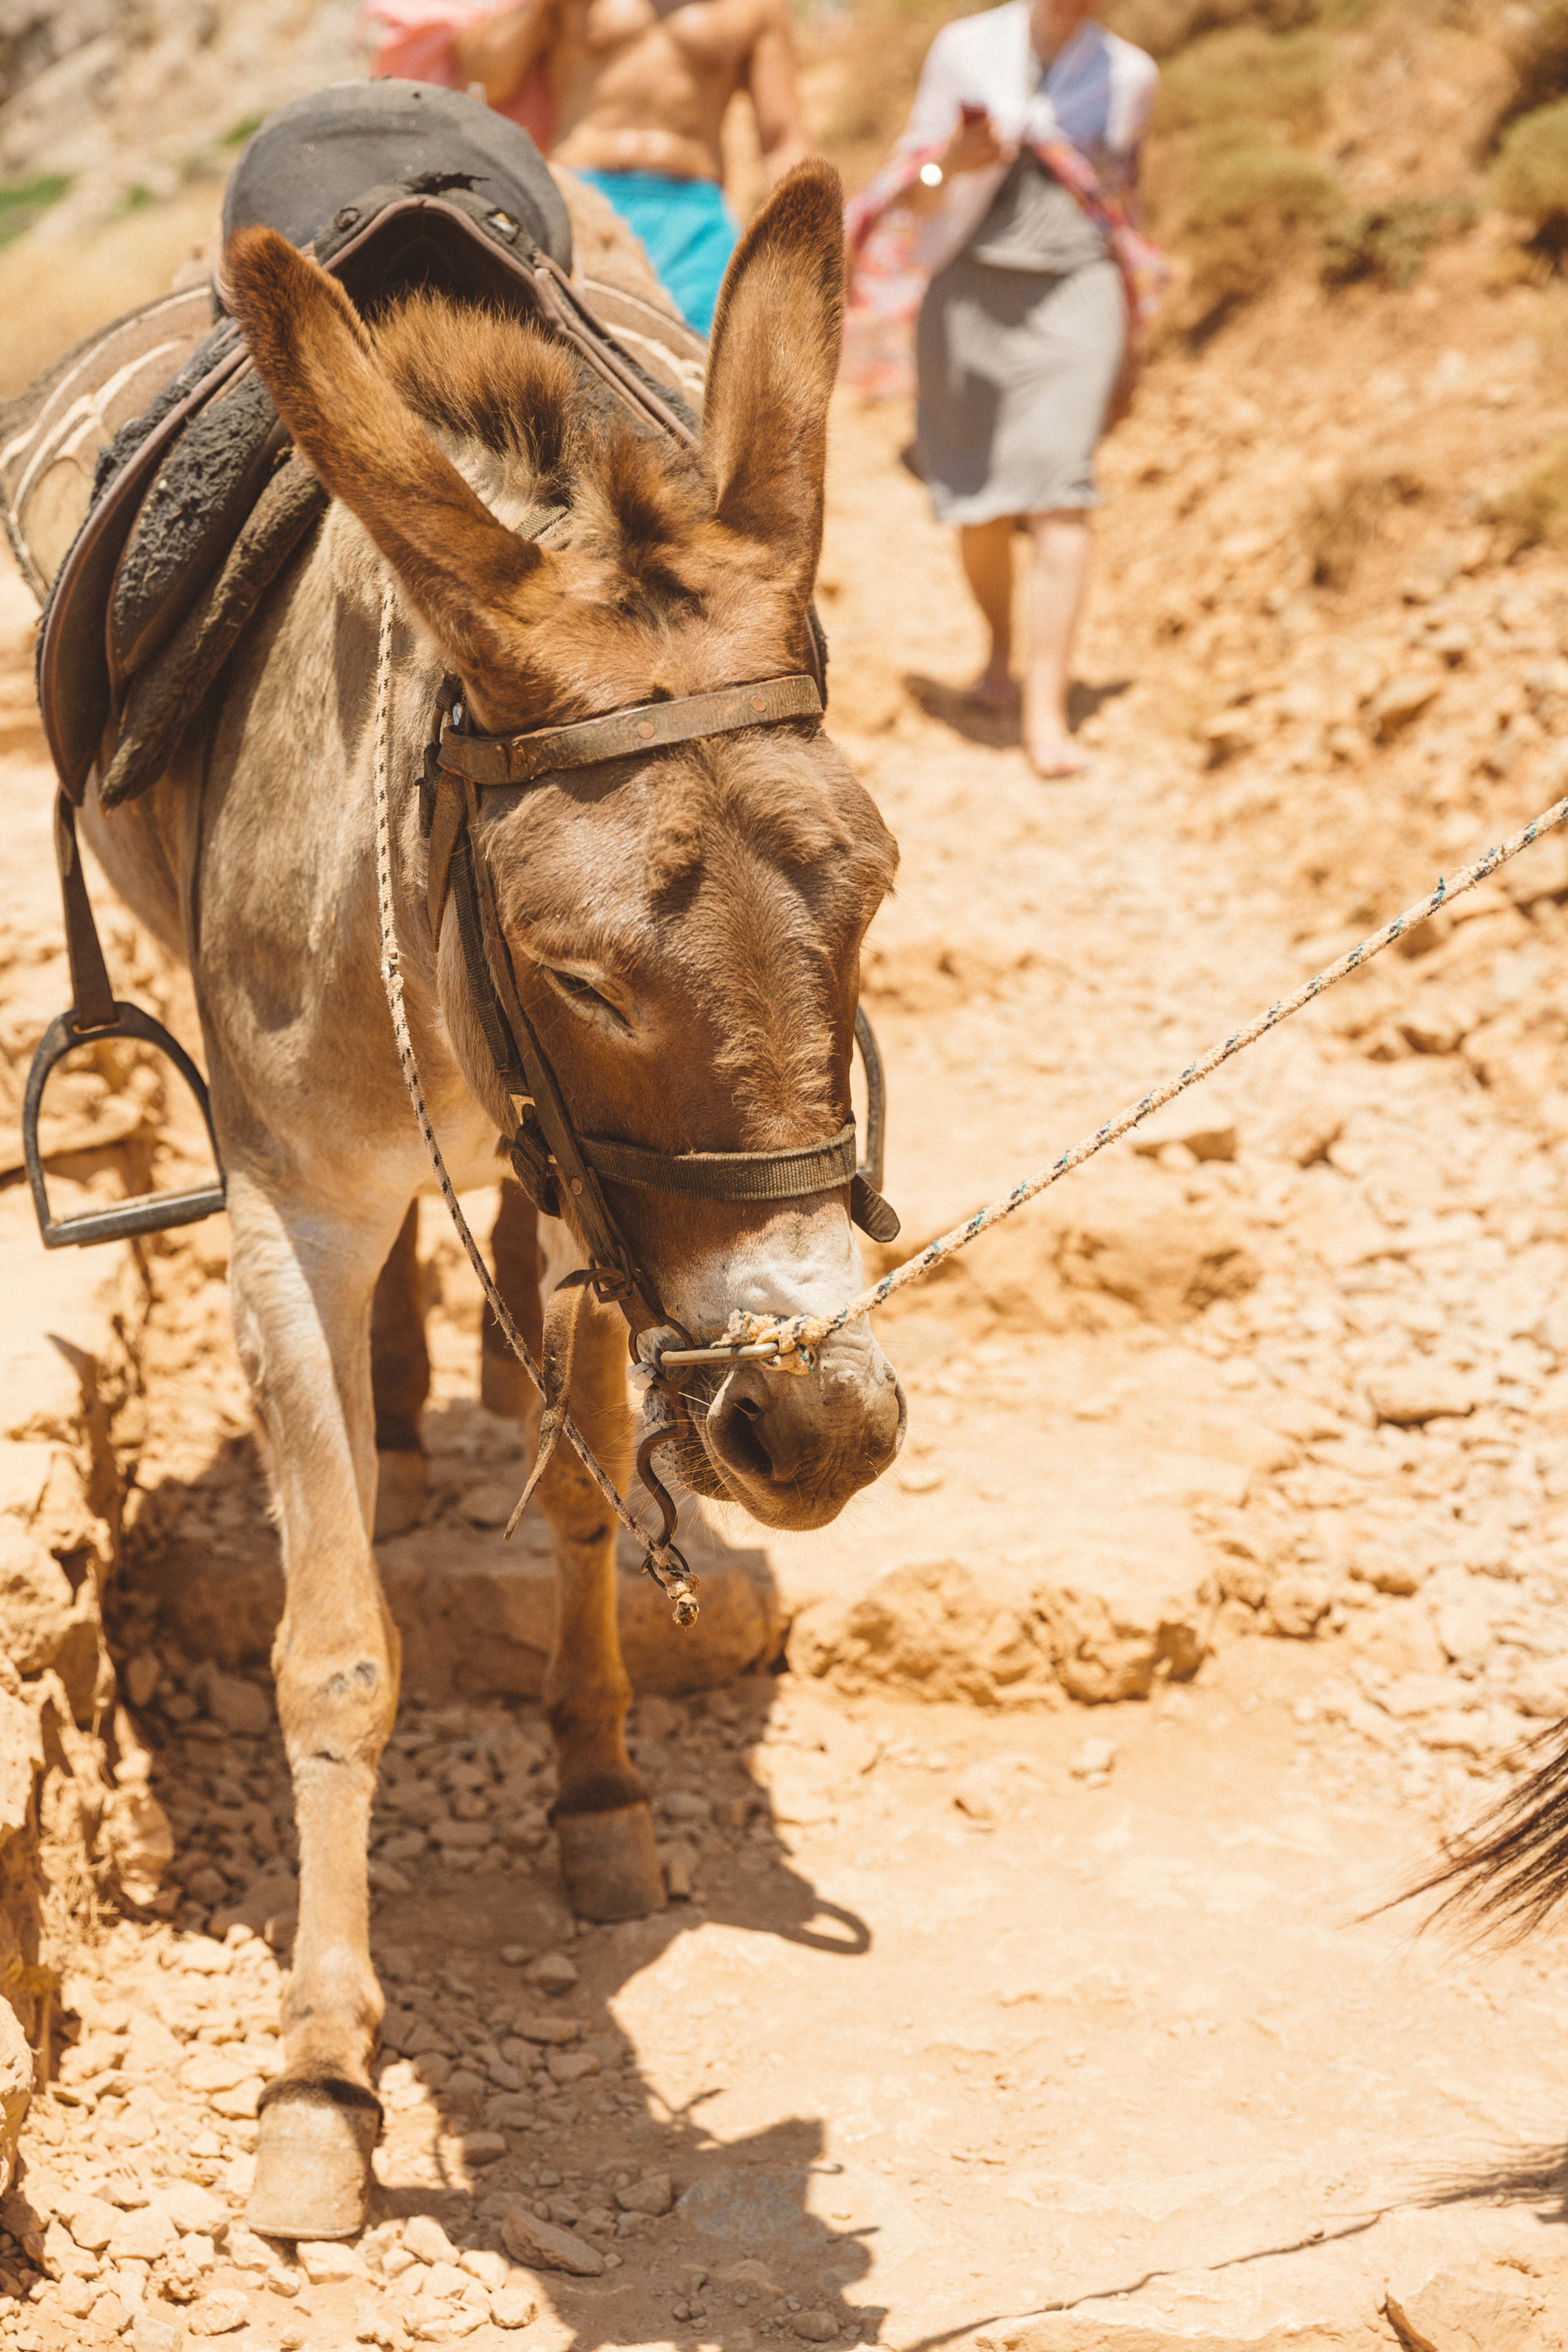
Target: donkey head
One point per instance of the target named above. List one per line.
(685, 925)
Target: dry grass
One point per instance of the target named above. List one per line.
(1166, 26)
(1233, 187)
(55, 291)
(1250, 208)
(1236, 83)
(1538, 50)
(1343, 519)
(1534, 510)
(1530, 177)
(1388, 243)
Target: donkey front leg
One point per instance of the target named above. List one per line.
(602, 1817)
(301, 1278)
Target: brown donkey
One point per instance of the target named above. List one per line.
(685, 927)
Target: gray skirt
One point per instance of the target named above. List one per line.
(1015, 371)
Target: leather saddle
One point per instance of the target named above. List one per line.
(197, 500)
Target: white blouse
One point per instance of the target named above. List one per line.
(1098, 94)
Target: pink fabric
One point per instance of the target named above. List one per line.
(418, 41)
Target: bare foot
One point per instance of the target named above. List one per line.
(989, 693)
(1057, 758)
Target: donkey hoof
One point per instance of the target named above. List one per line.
(610, 1864)
(399, 1492)
(312, 2161)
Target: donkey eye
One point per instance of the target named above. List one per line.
(584, 995)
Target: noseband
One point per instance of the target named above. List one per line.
(556, 1166)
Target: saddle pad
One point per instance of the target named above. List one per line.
(51, 436)
(673, 354)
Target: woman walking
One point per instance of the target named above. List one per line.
(1010, 187)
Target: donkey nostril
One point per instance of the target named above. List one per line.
(742, 1442)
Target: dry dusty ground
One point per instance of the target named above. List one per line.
(985, 2018)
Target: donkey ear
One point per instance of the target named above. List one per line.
(460, 565)
(774, 358)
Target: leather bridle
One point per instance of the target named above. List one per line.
(559, 1168)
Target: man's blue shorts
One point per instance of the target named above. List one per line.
(688, 232)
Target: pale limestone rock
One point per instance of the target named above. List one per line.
(139, 1840)
(37, 1604)
(653, 2193)
(24, 1475)
(1112, 1641)
(543, 2246)
(491, 2270)
(272, 1893)
(142, 2236)
(220, 2314)
(425, 2238)
(238, 1706)
(245, 2251)
(151, 2049)
(15, 2088)
(477, 1618)
(513, 2307)
(552, 1972)
(190, 2207)
(929, 1628)
(1414, 1394)
(90, 2221)
(21, 1754)
(1448, 2312)
(323, 2260)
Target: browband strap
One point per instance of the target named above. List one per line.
(482, 759)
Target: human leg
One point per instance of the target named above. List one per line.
(1060, 549)
(987, 550)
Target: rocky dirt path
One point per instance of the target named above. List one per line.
(978, 2017)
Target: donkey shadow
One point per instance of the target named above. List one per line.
(741, 2237)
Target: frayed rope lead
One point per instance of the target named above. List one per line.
(807, 1331)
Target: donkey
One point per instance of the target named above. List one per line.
(685, 927)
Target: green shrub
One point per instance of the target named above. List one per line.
(1250, 202)
(1535, 508)
(1166, 26)
(1241, 83)
(22, 201)
(1255, 180)
(1389, 242)
(1529, 176)
(1539, 51)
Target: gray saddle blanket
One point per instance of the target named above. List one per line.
(146, 482)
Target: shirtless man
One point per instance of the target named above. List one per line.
(631, 95)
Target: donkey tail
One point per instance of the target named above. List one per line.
(1509, 1872)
